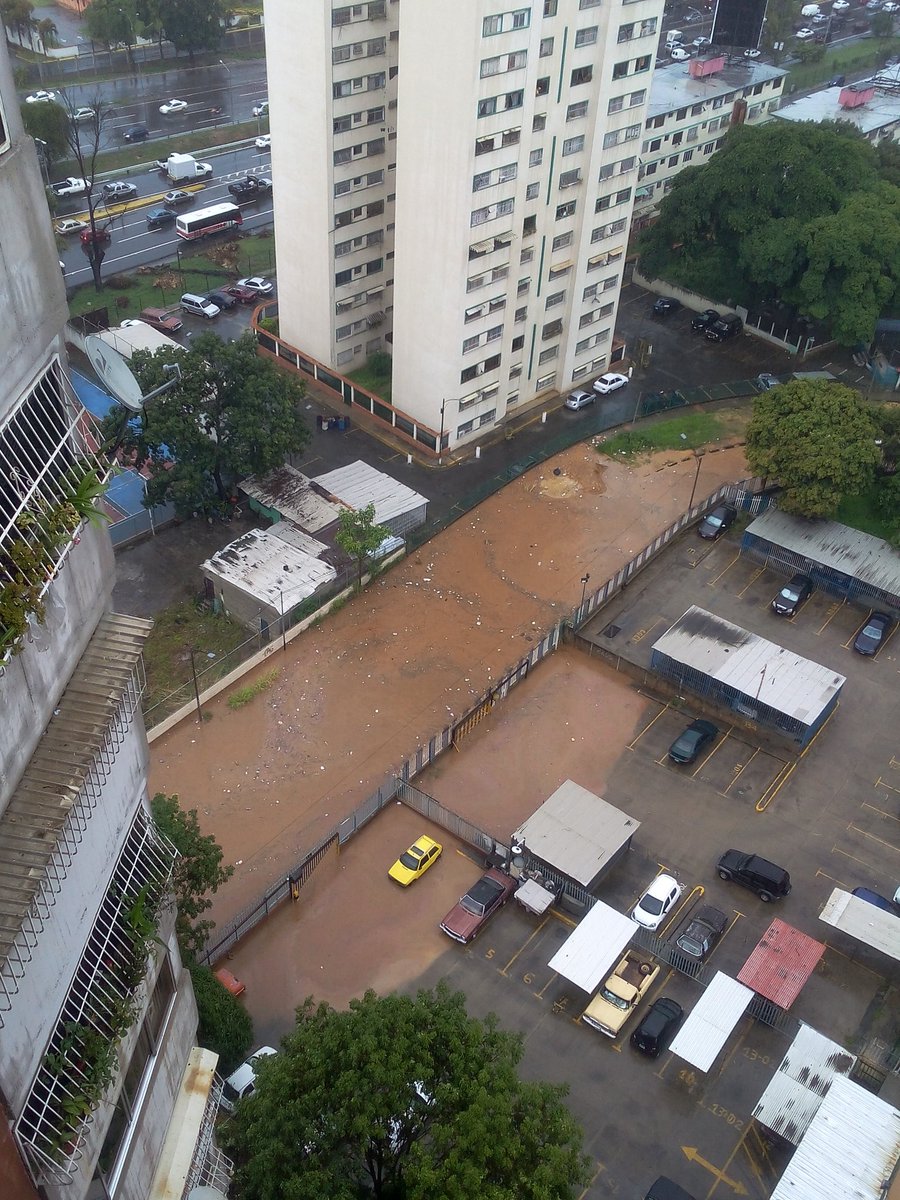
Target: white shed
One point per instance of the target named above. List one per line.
(594, 947)
(711, 1021)
(802, 1081)
(396, 506)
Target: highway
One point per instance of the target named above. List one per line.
(133, 245)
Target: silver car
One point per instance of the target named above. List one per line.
(580, 399)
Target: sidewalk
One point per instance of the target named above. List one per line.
(358, 693)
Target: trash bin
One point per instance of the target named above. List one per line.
(326, 424)
(343, 423)
(318, 420)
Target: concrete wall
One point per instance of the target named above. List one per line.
(34, 680)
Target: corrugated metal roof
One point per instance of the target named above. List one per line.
(795, 686)
(576, 831)
(289, 492)
(864, 921)
(594, 947)
(803, 1078)
(360, 484)
(860, 555)
(849, 1151)
(781, 963)
(128, 338)
(269, 570)
(711, 1021)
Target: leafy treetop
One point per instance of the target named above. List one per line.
(403, 1097)
(817, 440)
(359, 536)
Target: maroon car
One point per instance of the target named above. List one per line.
(160, 319)
(242, 294)
(464, 920)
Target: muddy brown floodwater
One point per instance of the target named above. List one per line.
(357, 694)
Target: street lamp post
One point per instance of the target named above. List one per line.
(585, 579)
(192, 652)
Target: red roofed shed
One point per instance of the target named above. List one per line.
(781, 963)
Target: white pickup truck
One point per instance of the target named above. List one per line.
(69, 187)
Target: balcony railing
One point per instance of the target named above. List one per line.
(48, 814)
(105, 999)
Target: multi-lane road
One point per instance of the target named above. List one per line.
(133, 244)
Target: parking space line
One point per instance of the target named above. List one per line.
(722, 1177)
(881, 783)
(861, 965)
(552, 979)
(741, 771)
(600, 1168)
(697, 890)
(839, 882)
(754, 1168)
(712, 582)
(880, 811)
(775, 786)
(753, 578)
(881, 841)
(862, 862)
(523, 947)
(714, 750)
(665, 709)
(832, 613)
(559, 916)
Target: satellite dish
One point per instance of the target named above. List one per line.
(114, 371)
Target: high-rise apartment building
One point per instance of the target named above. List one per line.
(455, 185)
(101, 1085)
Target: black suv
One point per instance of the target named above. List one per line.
(726, 327)
(758, 874)
(702, 321)
(655, 1031)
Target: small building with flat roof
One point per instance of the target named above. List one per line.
(801, 1083)
(871, 106)
(397, 506)
(781, 963)
(576, 834)
(844, 562)
(732, 667)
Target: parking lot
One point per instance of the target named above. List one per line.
(577, 717)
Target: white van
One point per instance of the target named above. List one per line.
(674, 38)
(199, 306)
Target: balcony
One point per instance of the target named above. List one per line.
(48, 814)
(106, 998)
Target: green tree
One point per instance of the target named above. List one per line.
(18, 17)
(403, 1097)
(817, 441)
(882, 25)
(192, 25)
(198, 870)
(359, 536)
(232, 414)
(83, 140)
(48, 123)
(113, 24)
(225, 1026)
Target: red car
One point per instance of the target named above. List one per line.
(241, 294)
(465, 919)
(160, 319)
(101, 236)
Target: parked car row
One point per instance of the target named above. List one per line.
(581, 398)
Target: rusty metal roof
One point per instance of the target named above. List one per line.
(781, 963)
(802, 1080)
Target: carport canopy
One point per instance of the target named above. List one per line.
(863, 921)
(711, 1021)
(781, 963)
(594, 947)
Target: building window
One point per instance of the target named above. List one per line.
(545, 381)
(673, 160)
(546, 48)
(548, 355)
(574, 111)
(518, 342)
(529, 226)
(570, 178)
(526, 256)
(542, 87)
(535, 158)
(620, 70)
(637, 98)
(551, 330)
(556, 298)
(539, 122)
(626, 33)
(565, 210)
(573, 145)
(562, 240)
(487, 107)
(510, 137)
(616, 104)
(586, 37)
(471, 344)
(550, 8)
(643, 63)
(581, 75)
(531, 192)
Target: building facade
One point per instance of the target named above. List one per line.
(97, 1015)
(454, 186)
(690, 112)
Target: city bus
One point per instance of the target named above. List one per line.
(208, 220)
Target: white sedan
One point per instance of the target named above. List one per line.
(840, 6)
(84, 114)
(70, 225)
(264, 142)
(173, 106)
(609, 383)
(804, 35)
(40, 97)
(258, 284)
(657, 902)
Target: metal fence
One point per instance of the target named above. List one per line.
(456, 825)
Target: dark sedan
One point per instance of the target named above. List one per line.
(701, 932)
(159, 217)
(702, 321)
(222, 298)
(873, 634)
(792, 595)
(714, 524)
(687, 746)
(666, 305)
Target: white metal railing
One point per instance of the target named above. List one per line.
(209, 1166)
(105, 999)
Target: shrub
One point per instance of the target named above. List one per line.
(225, 1025)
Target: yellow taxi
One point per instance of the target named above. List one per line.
(415, 861)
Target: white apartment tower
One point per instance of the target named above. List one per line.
(97, 1015)
(454, 184)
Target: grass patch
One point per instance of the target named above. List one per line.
(167, 659)
(140, 157)
(860, 512)
(842, 61)
(245, 694)
(162, 284)
(373, 381)
(698, 430)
